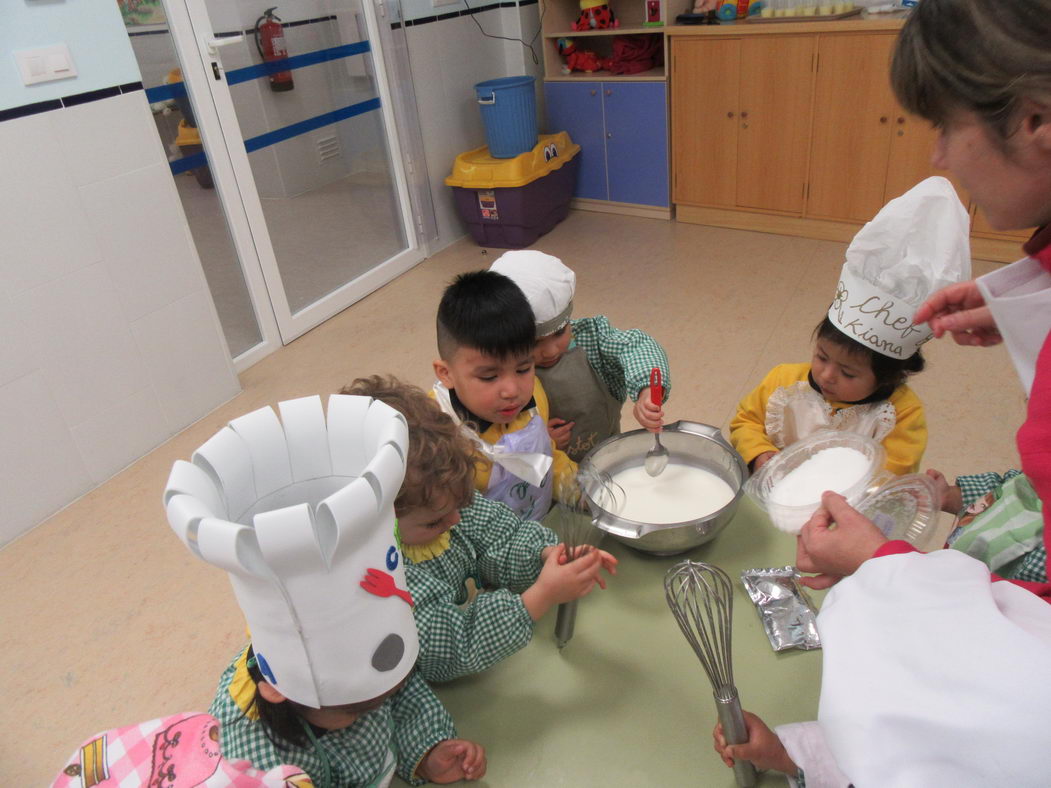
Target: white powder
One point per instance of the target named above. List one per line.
(834, 469)
(679, 494)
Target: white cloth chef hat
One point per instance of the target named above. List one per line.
(547, 283)
(918, 243)
(300, 513)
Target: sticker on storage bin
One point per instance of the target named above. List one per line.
(487, 204)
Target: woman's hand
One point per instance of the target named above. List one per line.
(960, 309)
(453, 760)
(763, 748)
(835, 541)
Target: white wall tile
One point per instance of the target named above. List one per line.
(121, 433)
(40, 468)
(45, 229)
(187, 363)
(104, 139)
(142, 231)
(85, 346)
(19, 348)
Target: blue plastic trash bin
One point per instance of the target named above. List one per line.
(509, 112)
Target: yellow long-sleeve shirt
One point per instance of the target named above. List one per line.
(562, 468)
(904, 444)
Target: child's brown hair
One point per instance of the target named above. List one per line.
(439, 469)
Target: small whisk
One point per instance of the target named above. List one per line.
(701, 599)
(575, 527)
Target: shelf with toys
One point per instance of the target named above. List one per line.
(610, 40)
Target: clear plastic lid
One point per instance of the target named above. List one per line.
(904, 508)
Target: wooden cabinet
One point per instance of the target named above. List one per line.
(622, 131)
(980, 226)
(866, 150)
(738, 139)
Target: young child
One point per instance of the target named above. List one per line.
(327, 683)
(588, 367)
(486, 383)
(866, 346)
(450, 533)
(999, 521)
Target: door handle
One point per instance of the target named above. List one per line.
(214, 44)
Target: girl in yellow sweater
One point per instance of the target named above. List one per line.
(845, 386)
(867, 344)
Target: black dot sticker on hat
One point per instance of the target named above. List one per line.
(388, 654)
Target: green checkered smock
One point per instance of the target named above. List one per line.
(1033, 565)
(501, 552)
(410, 722)
(974, 486)
(623, 359)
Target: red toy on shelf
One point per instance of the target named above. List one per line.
(595, 15)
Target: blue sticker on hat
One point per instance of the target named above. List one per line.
(392, 558)
(264, 668)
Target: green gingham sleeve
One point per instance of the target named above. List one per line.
(420, 722)
(623, 359)
(456, 641)
(974, 486)
(508, 547)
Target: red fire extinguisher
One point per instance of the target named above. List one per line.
(270, 41)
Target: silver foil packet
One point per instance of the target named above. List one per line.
(786, 611)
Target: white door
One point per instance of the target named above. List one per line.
(302, 151)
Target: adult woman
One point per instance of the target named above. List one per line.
(931, 672)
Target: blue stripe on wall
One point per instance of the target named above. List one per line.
(239, 75)
(303, 126)
(285, 133)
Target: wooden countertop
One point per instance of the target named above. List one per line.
(856, 24)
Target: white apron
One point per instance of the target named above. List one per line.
(1019, 297)
(521, 473)
(796, 411)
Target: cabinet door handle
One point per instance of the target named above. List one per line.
(901, 133)
(609, 135)
(883, 119)
(594, 93)
(744, 114)
(900, 120)
(729, 114)
(609, 92)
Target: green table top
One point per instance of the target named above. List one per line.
(627, 703)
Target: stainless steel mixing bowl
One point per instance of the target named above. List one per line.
(688, 443)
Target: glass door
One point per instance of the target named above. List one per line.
(304, 116)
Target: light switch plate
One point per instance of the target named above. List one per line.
(45, 64)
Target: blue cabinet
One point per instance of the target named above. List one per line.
(622, 130)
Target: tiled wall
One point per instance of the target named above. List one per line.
(448, 57)
(111, 342)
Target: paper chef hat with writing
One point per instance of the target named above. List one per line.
(917, 244)
(548, 285)
(300, 512)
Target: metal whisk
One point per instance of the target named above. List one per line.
(701, 599)
(574, 525)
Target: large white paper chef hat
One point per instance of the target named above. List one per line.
(300, 513)
(917, 244)
(548, 286)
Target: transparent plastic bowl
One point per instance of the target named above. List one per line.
(791, 519)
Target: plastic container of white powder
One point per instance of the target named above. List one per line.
(790, 485)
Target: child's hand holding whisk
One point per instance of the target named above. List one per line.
(561, 580)
(609, 563)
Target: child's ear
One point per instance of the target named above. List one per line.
(442, 371)
(270, 693)
(1036, 124)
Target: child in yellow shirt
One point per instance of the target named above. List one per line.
(867, 344)
(845, 386)
(487, 383)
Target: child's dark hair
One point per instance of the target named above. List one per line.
(487, 312)
(889, 372)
